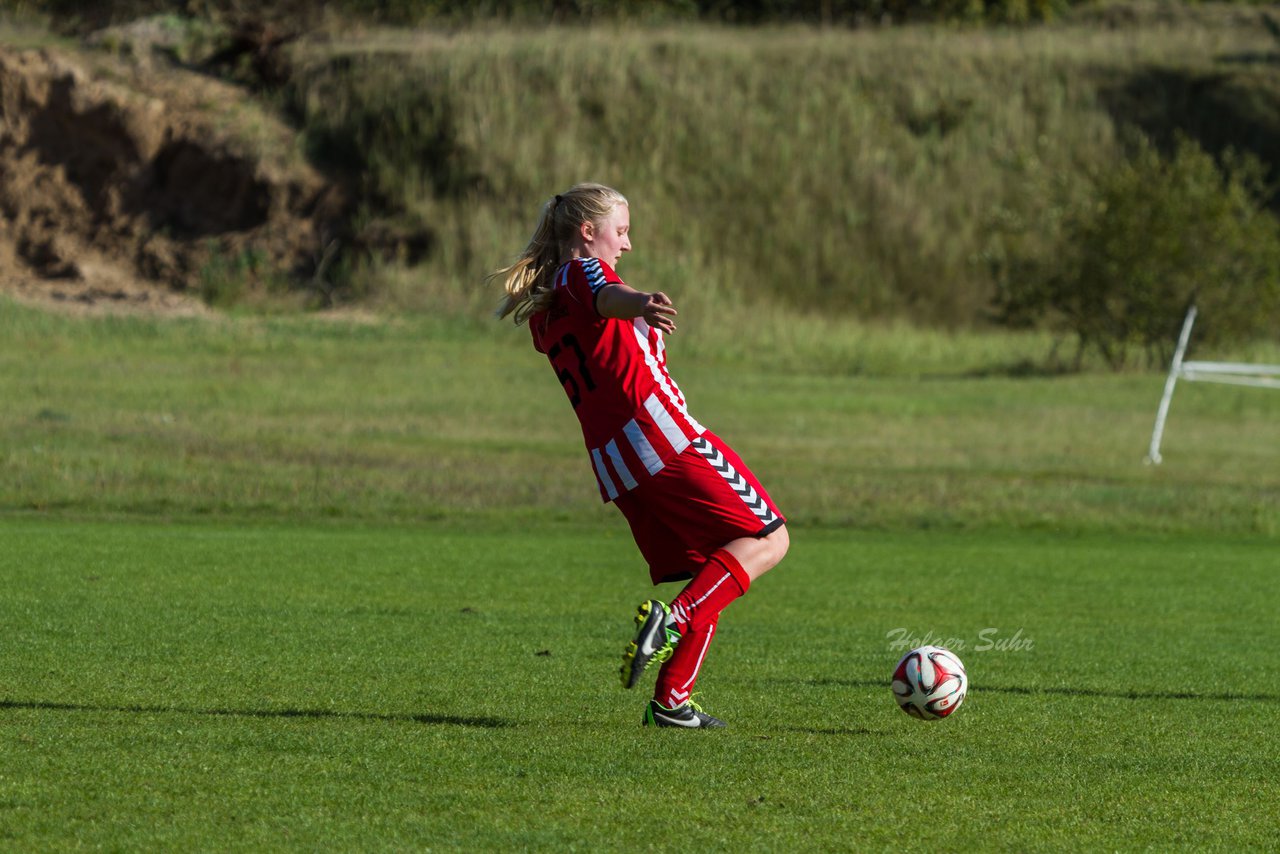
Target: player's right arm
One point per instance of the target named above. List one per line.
(625, 302)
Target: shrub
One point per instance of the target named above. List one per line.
(1160, 234)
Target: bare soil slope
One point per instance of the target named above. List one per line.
(125, 185)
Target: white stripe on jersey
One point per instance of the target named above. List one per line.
(644, 450)
(603, 474)
(665, 383)
(619, 466)
(670, 431)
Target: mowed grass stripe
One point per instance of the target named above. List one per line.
(417, 419)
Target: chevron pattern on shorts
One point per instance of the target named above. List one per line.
(736, 481)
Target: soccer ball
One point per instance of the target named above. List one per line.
(929, 683)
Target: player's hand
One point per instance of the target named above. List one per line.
(658, 312)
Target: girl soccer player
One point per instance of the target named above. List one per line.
(695, 510)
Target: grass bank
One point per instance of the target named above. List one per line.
(904, 173)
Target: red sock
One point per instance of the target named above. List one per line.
(721, 580)
(680, 672)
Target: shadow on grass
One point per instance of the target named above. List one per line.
(1023, 369)
(449, 720)
(835, 730)
(1074, 692)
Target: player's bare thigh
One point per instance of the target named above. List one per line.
(758, 555)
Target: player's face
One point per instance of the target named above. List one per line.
(612, 236)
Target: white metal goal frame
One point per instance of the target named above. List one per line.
(1231, 373)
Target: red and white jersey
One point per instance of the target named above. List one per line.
(633, 415)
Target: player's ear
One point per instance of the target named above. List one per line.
(588, 231)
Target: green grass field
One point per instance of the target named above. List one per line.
(302, 686)
(294, 583)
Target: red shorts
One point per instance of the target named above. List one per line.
(702, 500)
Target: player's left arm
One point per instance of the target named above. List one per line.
(625, 302)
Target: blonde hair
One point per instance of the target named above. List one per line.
(529, 281)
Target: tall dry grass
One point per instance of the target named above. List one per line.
(892, 173)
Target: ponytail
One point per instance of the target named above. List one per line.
(530, 281)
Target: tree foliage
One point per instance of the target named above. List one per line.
(1161, 233)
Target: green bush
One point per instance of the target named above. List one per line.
(1161, 233)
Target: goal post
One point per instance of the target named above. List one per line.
(1231, 373)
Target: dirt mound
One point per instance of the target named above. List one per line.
(128, 185)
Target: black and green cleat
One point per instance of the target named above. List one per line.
(688, 715)
(655, 640)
